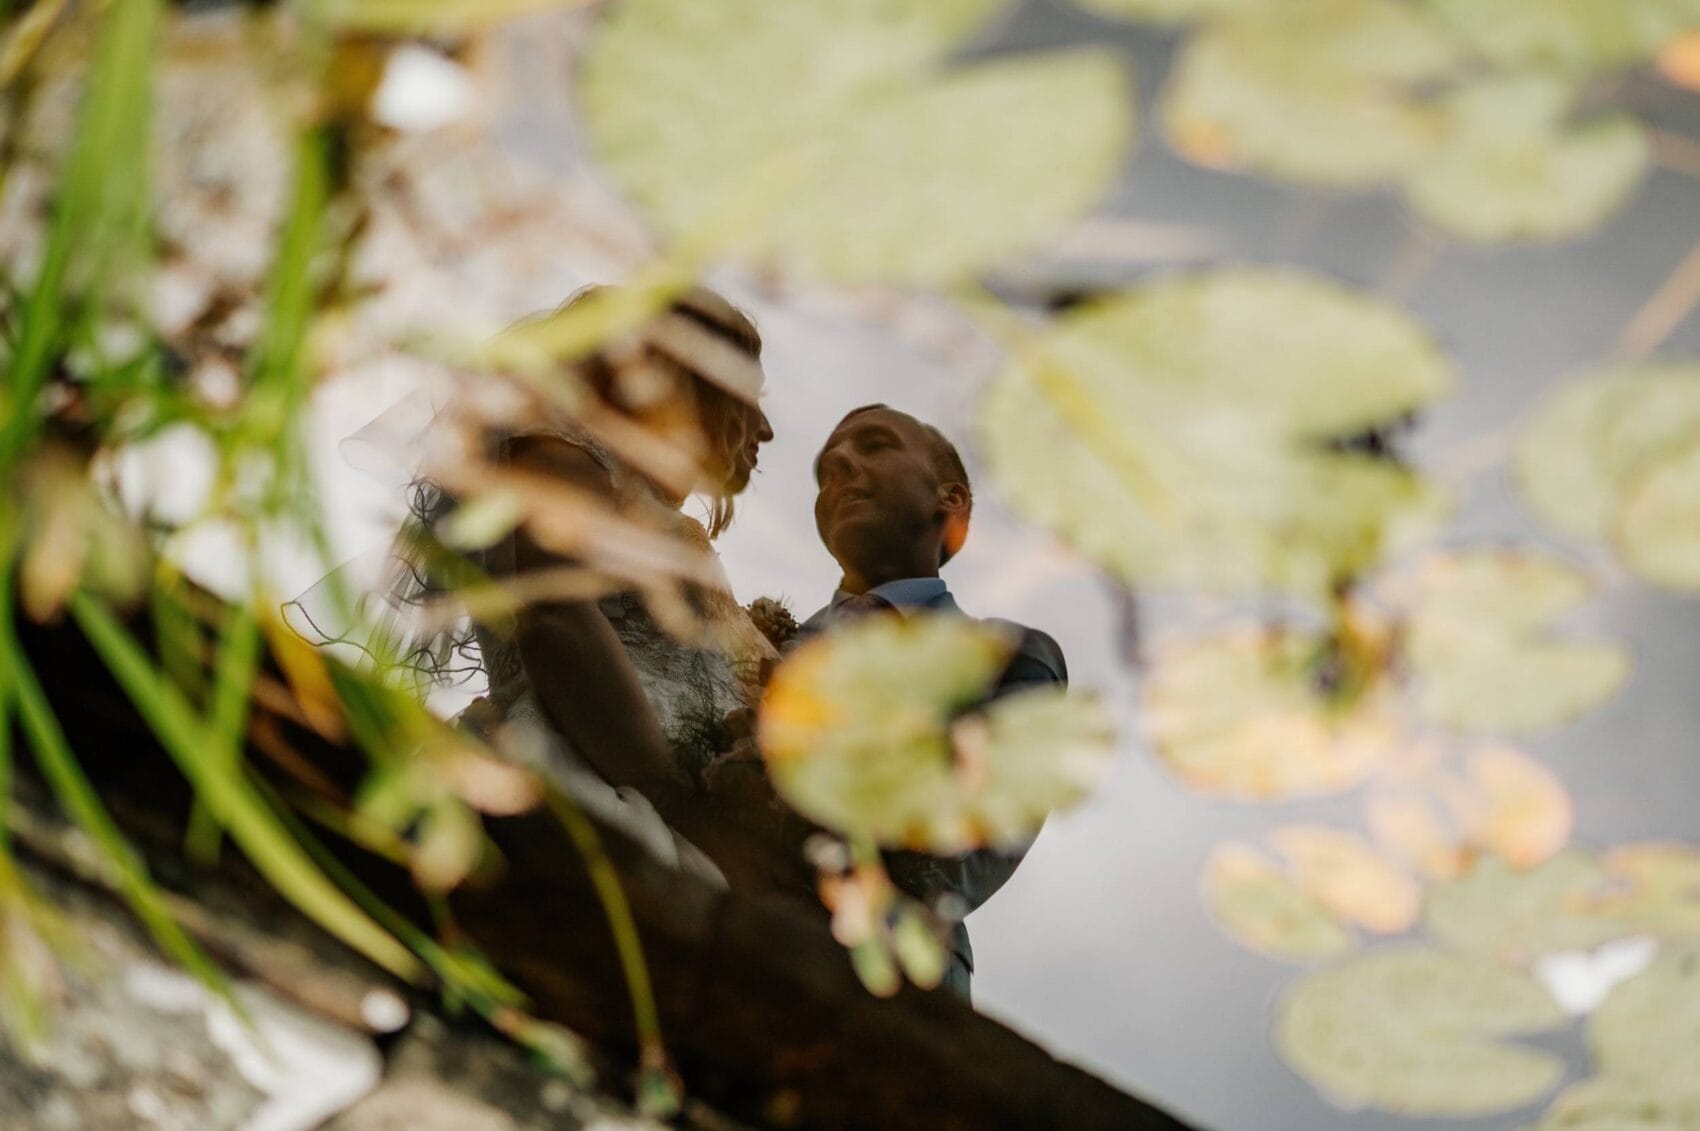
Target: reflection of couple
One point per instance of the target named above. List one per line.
(643, 724)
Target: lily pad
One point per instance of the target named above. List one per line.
(1520, 916)
(1241, 715)
(1260, 907)
(1479, 642)
(1659, 535)
(1319, 92)
(1576, 35)
(1415, 1032)
(1350, 878)
(1513, 169)
(1655, 890)
(1648, 1029)
(1516, 808)
(1179, 433)
(831, 138)
(864, 731)
(1609, 1103)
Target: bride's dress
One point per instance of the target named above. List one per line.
(693, 685)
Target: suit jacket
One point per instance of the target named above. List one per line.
(1037, 662)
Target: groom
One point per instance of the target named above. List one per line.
(893, 506)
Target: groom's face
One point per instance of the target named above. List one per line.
(878, 493)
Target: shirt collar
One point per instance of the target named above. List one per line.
(905, 593)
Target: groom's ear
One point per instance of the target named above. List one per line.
(954, 504)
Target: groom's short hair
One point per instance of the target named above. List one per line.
(946, 461)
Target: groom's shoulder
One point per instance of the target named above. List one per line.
(1038, 657)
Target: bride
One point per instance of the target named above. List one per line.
(627, 698)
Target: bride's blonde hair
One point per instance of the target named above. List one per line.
(723, 408)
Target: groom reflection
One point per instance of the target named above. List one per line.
(893, 507)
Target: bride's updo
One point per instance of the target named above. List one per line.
(691, 376)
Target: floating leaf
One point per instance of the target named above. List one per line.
(1177, 433)
(1413, 830)
(1648, 1030)
(1608, 1103)
(1512, 168)
(426, 17)
(1660, 531)
(1412, 1032)
(1518, 809)
(861, 733)
(1260, 907)
(1577, 35)
(1317, 92)
(1351, 879)
(1243, 715)
(1478, 642)
(1518, 917)
(1655, 890)
(824, 137)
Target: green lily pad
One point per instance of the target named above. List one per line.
(1609, 1103)
(1659, 534)
(1648, 1029)
(1241, 715)
(1178, 433)
(1317, 92)
(1260, 907)
(1513, 169)
(1582, 450)
(830, 138)
(1517, 917)
(1414, 1032)
(861, 732)
(1478, 641)
(1576, 35)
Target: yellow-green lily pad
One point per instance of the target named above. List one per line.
(1513, 169)
(1611, 1103)
(1648, 1029)
(1178, 433)
(1518, 917)
(863, 731)
(1241, 715)
(1417, 1032)
(1171, 11)
(1319, 92)
(832, 138)
(1659, 532)
(1264, 910)
(1479, 642)
(1575, 35)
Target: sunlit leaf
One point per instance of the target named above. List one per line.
(1578, 35)
(1518, 917)
(1519, 810)
(1659, 535)
(828, 138)
(1260, 907)
(1177, 433)
(1611, 1103)
(1318, 92)
(1350, 878)
(1414, 830)
(1679, 61)
(1479, 641)
(1584, 448)
(1648, 1029)
(1512, 168)
(1413, 1032)
(1243, 715)
(860, 732)
(73, 538)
